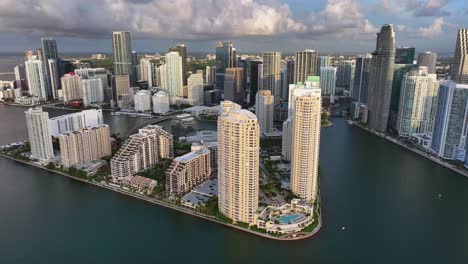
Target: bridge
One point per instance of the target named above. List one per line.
(152, 121)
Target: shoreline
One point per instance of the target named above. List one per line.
(187, 211)
(419, 152)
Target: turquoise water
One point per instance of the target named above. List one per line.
(284, 219)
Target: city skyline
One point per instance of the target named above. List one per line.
(286, 25)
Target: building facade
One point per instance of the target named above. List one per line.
(146, 71)
(264, 110)
(272, 73)
(238, 163)
(381, 79)
(72, 87)
(361, 79)
(37, 78)
(305, 142)
(328, 81)
(345, 74)
(188, 171)
(122, 92)
(161, 102)
(405, 55)
(40, 136)
(122, 50)
(141, 151)
(173, 77)
(93, 91)
(76, 121)
(142, 101)
(418, 102)
(225, 58)
(449, 136)
(305, 66)
(195, 89)
(234, 85)
(459, 69)
(181, 49)
(85, 145)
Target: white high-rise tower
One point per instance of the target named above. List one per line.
(40, 136)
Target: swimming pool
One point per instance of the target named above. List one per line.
(285, 219)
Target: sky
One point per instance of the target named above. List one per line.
(327, 26)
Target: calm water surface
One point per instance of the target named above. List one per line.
(385, 196)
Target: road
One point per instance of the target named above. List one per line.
(151, 122)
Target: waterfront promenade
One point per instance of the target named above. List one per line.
(418, 151)
(297, 236)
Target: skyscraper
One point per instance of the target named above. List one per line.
(290, 71)
(36, 76)
(381, 78)
(399, 71)
(234, 85)
(85, 145)
(253, 82)
(305, 135)
(173, 77)
(309, 88)
(238, 163)
(161, 102)
(264, 110)
(72, 87)
(428, 59)
(49, 49)
(323, 61)
(405, 55)
(210, 75)
(361, 79)
(121, 87)
(20, 77)
(312, 82)
(54, 76)
(39, 132)
(94, 73)
(122, 49)
(328, 81)
(142, 101)
(75, 121)
(449, 136)
(182, 50)
(271, 73)
(345, 74)
(418, 102)
(224, 59)
(195, 89)
(306, 65)
(93, 91)
(146, 71)
(459, 70)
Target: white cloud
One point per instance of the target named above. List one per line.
(183, 19)
(342, 19)
(180, 19)
(433, 30)
(426, 7)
